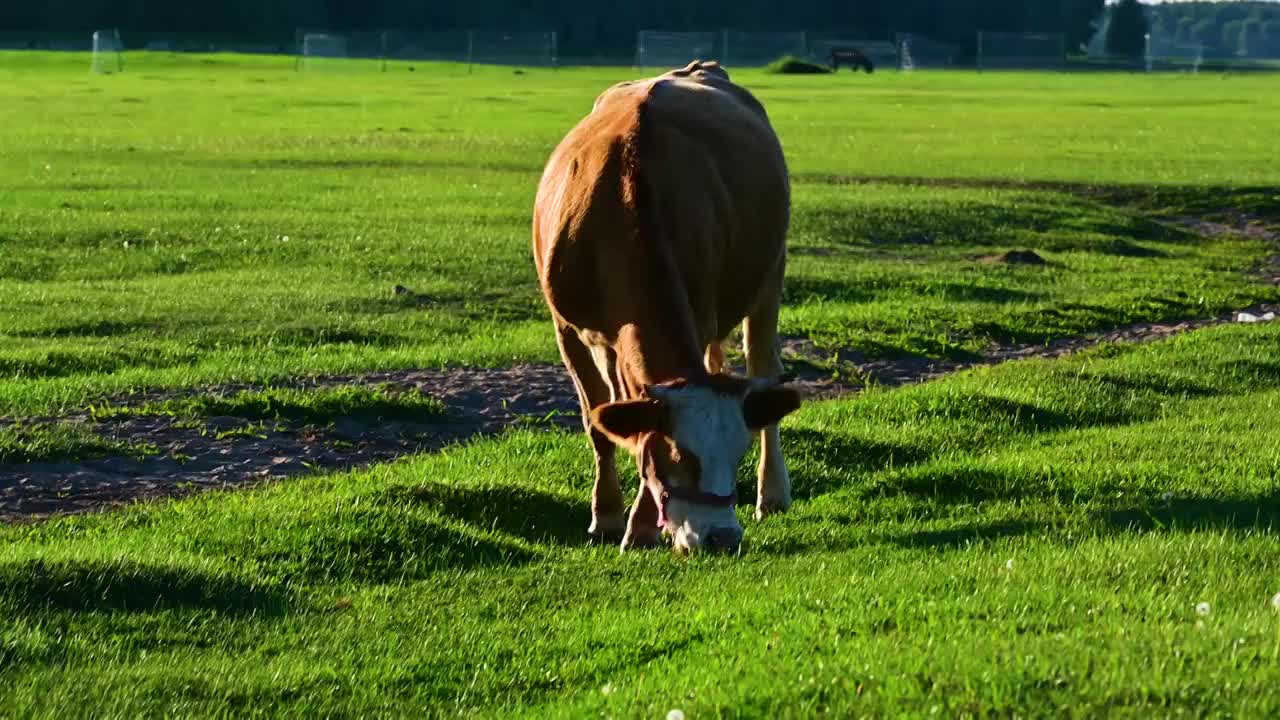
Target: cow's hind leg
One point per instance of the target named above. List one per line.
(608, 513)
(764, 359)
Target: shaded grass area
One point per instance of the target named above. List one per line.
(227, 220)
(52, 440)
(789, 65)
(914, 269)
(1035, 535)
(45, 441)
(316, 406)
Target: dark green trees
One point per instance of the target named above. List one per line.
(1127, 32)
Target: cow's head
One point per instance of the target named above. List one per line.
(690, 437)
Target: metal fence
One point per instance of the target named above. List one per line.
(316, 48)
(662, 48)
(1021, 51)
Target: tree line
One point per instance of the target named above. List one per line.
(584, 28)
(1242, 29)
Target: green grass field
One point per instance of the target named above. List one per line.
(1028, 539)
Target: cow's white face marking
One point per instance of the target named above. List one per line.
(691, 525)
(710, 426)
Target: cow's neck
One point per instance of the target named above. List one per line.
(651, 354)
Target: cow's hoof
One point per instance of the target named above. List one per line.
(606, 537)
(766, 507)
(606, 531)
(641, 541)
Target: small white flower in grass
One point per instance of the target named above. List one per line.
(1275, 602)
(676, 714)
(284, 238)
(607, 689)
(1008, 564)
(1202, 609)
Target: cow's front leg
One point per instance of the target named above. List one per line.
(760, 336)
(608, 514)
(642, 528)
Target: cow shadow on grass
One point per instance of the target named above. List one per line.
(85, 586)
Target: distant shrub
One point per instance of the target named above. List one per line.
(789, 65)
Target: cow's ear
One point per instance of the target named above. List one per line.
(764, 407)
(628, 421)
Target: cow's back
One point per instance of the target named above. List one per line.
(685, 167)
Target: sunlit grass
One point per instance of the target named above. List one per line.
(1038, 538)
(1034, 537)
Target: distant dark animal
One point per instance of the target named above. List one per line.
(852, 57)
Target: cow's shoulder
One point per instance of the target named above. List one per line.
(629, 92)
(709, 75)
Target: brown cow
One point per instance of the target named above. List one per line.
(660, 224)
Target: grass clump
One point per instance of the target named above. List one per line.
(791, 65)
(47, 442)
(296, 406)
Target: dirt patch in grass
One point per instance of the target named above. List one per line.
(224, 451)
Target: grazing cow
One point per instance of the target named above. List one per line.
(853, 57)
(660, 224)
